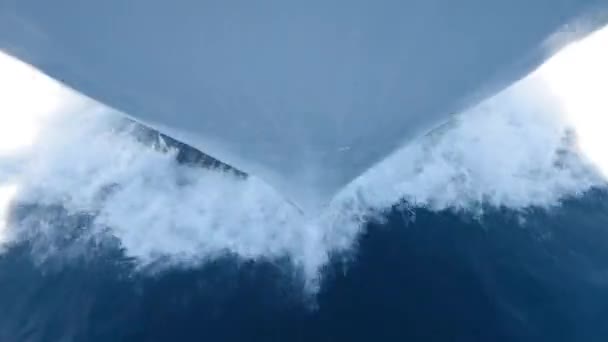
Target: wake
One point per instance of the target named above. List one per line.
(520, 149)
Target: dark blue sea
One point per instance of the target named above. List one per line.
(419, 276)
(540, 274)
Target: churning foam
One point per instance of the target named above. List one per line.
(513, 150)
(578, 77)
(28, 100)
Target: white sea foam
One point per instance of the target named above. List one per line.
(516, 150)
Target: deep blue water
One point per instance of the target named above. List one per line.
(541, 275)
(423, 276)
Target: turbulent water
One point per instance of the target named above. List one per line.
(490, 228)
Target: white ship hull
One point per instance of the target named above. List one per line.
(306, 95)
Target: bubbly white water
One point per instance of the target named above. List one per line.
(532, 145)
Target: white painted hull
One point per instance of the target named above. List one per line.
(306, 95)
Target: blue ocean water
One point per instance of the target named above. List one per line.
(418, 276)
(489, 273)
(508, 271)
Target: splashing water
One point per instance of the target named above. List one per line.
(29, 99)
(513, 150)
(578, 78)
(7, 193)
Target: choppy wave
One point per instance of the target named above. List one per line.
(520, 149)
